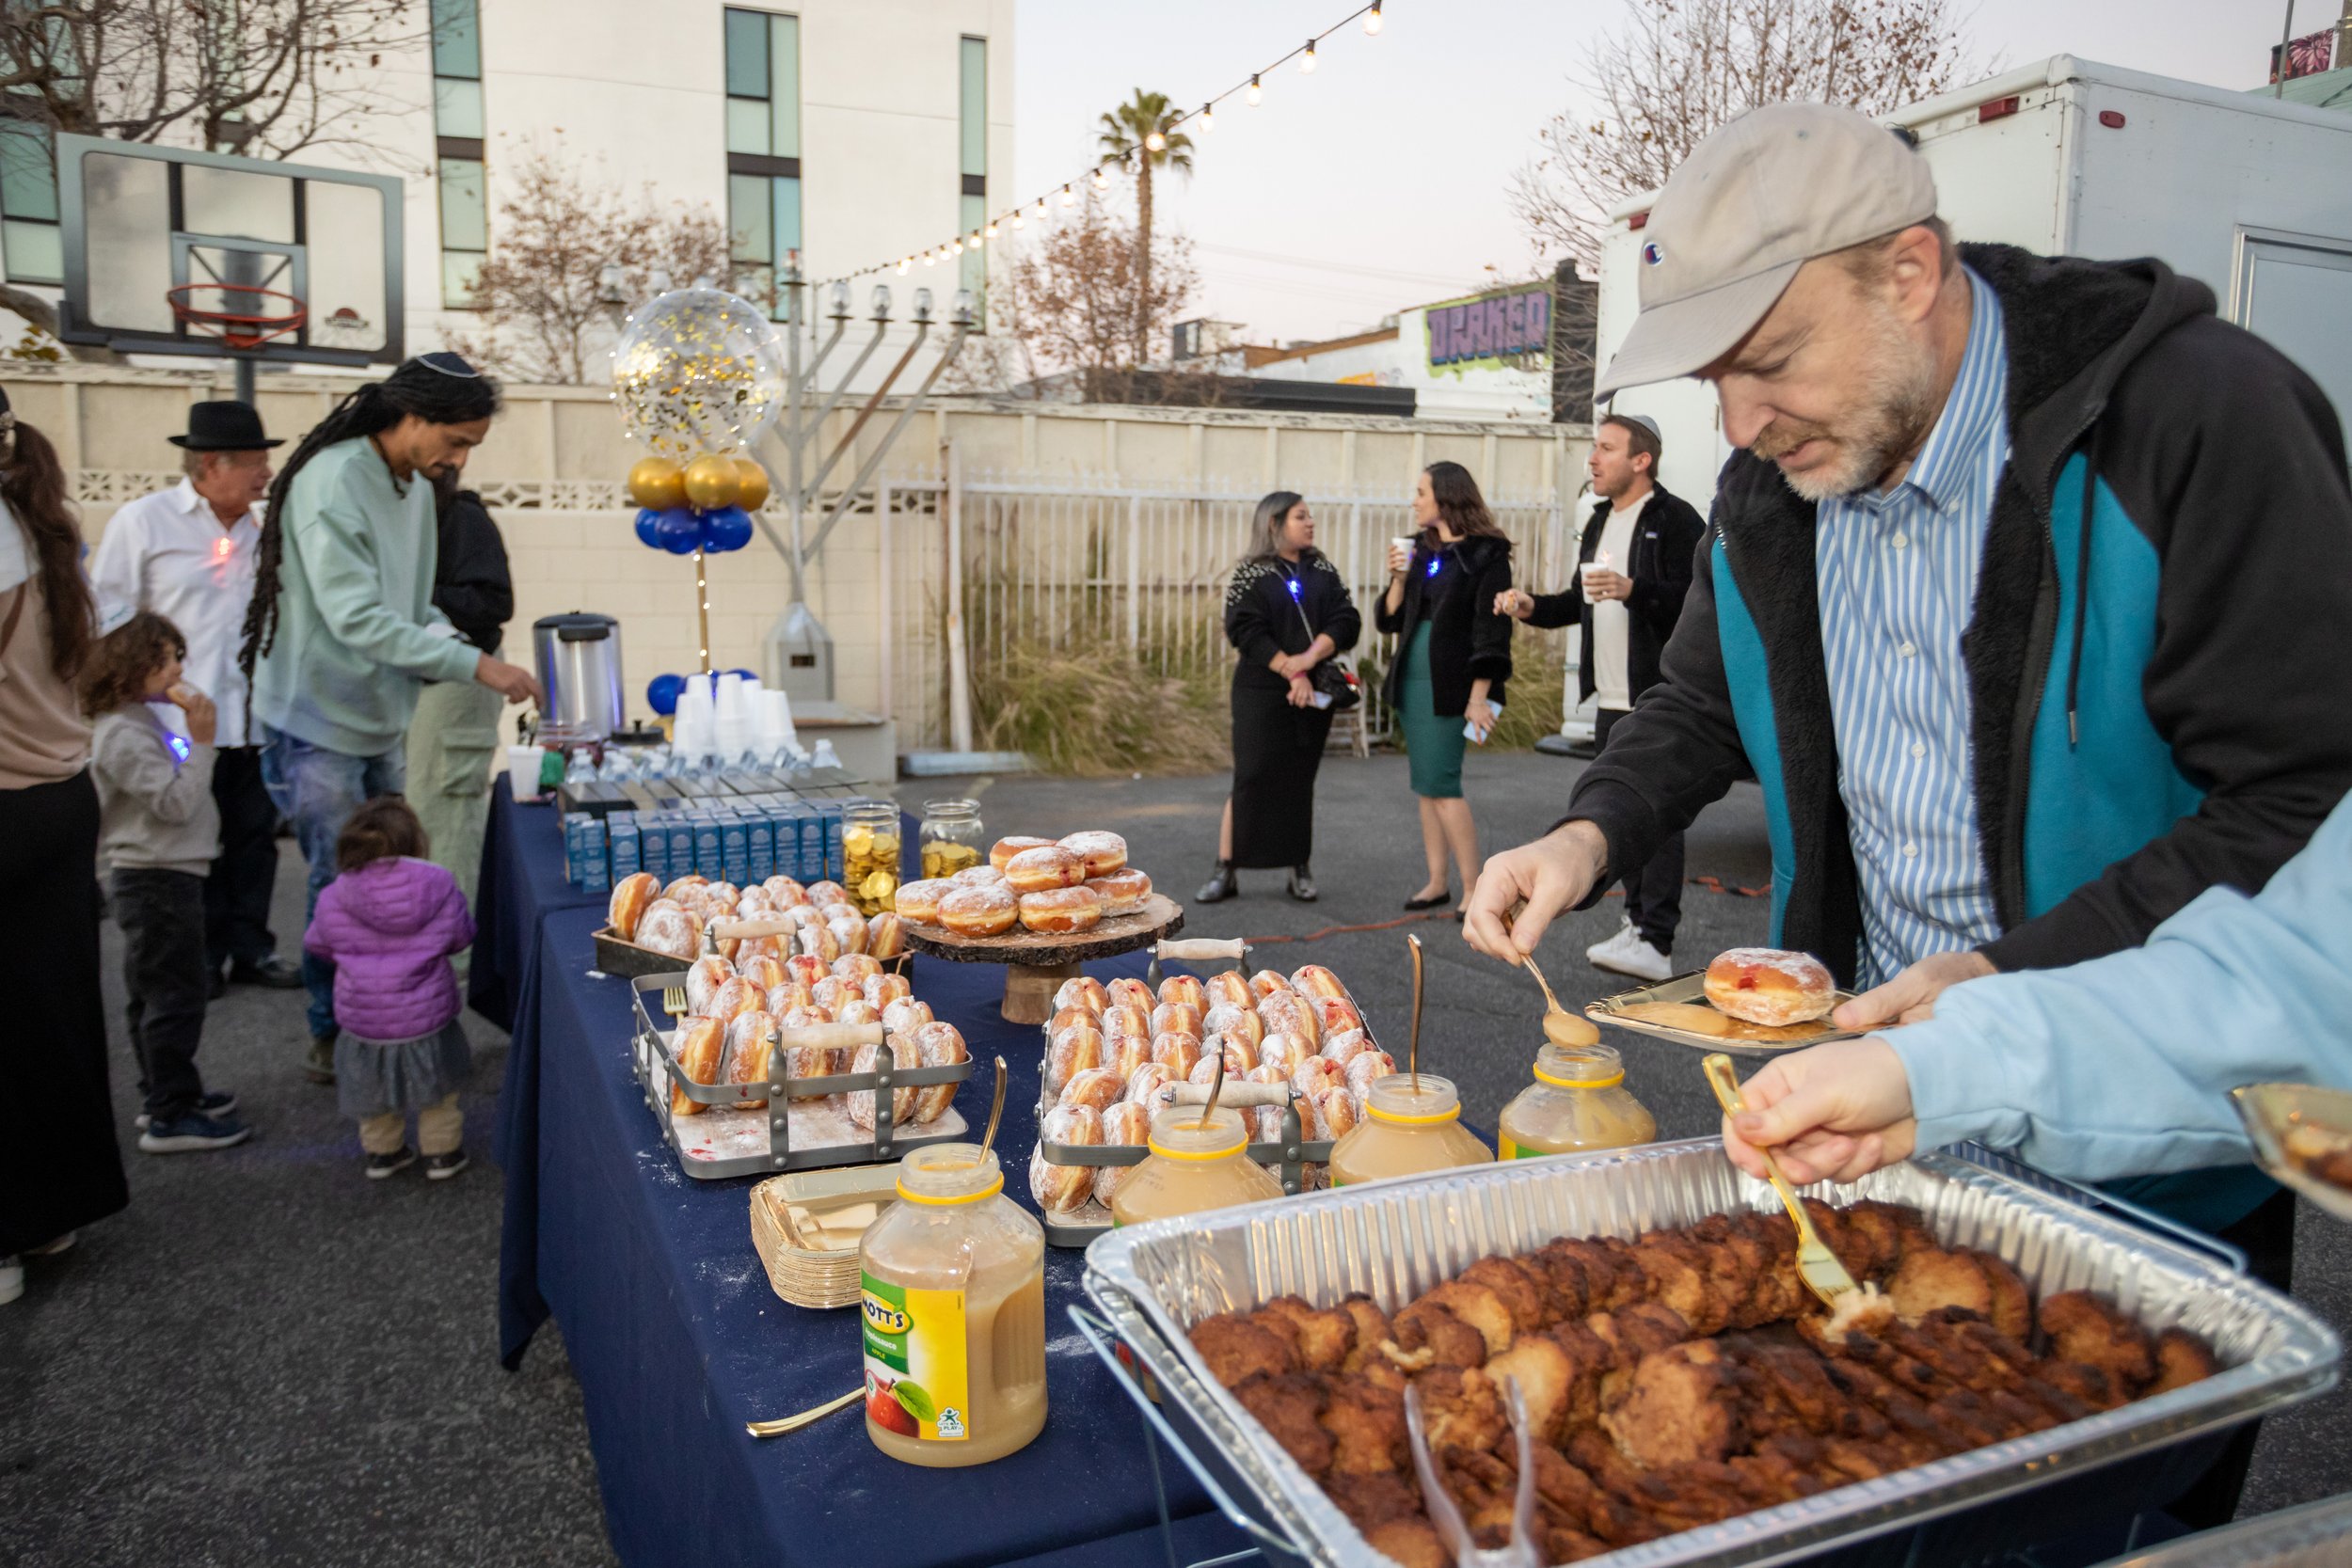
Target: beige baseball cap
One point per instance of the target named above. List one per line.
(1754, 201)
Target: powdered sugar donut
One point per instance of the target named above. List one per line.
(1769, 986)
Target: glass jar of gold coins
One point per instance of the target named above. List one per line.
(952, 838)
(869, 854)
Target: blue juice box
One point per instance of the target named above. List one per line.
(734, 848)
(709, 853)
(596, 868)
(653, 846)
(761, 831)
(628, 850)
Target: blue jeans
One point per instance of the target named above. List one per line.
(317, 790)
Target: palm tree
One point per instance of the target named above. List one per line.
(1141, 134)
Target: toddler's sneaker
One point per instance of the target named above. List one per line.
(440, 1168)
(192, 1134)
(319, 1065)
(218, 1102)
(382, 1165)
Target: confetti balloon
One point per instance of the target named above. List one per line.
(698, 371)
(751, 485)
(711, 483)
(657, 482)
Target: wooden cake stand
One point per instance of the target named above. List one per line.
(1036, 962)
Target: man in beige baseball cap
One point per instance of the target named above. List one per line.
(1942, 451)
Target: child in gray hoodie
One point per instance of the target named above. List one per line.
(159, 831)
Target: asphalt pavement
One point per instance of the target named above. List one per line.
(269, 1359)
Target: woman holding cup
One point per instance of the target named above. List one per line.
(1452, 656)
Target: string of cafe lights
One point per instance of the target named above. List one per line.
(1251, 91)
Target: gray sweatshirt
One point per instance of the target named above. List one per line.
(155, 807)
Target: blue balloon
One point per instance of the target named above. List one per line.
(679, 530)
(663, 692)
(745, 673)
(649, 527)
(726, 528)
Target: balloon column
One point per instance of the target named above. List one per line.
(699, 374)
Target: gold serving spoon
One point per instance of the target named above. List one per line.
(1816, 1264)
(1562, 1027)
(814, 1414)
(1412, 1043)
(995, 1114)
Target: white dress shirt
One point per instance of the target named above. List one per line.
(167, 553)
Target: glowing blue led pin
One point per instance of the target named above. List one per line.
(178, 747)
(1293, 587)
(1433, 567)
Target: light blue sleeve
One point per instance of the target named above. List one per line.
(2122, 1066)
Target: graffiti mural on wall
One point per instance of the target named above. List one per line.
(1491, 331)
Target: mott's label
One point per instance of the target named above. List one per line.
(1507, 1149)
(916, 1377)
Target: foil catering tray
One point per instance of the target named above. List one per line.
(2316, 1535)
(2274, 1114)
(1740, 1039)
(1393, 1240)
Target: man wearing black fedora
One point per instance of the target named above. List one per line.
(188, 554)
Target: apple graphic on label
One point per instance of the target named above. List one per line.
(884, 1409)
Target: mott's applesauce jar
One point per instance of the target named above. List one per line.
(951, 837)
(1196, 1163)
(954, 1324)
(869, 854)
(1577, 1102)
(1412, 1124)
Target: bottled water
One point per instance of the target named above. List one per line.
(826, 757)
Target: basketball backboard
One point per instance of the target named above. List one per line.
(248, 237)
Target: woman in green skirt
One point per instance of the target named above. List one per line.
(1452, 655)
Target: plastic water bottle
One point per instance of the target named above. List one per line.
(826, 757)
(581, 768)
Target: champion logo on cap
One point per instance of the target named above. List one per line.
(1653, 253)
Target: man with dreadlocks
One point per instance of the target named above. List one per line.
(342, 631)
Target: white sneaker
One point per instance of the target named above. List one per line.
(1628, 953)
(11, 1279)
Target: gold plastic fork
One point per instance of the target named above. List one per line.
(794, 1423)
(1817, 1265)
(674, 1001)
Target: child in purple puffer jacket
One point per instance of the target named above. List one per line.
(388, 923)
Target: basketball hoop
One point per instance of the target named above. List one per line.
(263, 314)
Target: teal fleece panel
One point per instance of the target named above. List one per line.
(2102, 796)
(1749, 681)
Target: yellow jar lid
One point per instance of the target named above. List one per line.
(1609, 1082)
(1194, 1155)
(937, 1201)
(1451, 1112)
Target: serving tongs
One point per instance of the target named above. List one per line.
(1446, 1518)
(1817, 1265)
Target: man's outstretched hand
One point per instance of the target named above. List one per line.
(1910, 997)
(1522, 889)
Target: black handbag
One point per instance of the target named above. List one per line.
(1333, 676)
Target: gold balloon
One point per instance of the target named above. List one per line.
(752, 485)
(657, 483)
(711, 482)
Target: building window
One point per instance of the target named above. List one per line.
(973, 167)
(29, 205)
(763, 147)
(457, 143)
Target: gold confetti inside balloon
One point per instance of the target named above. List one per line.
(657, 483)
(751, 485)
(698, 371)
(711, 483)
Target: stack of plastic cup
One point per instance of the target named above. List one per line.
(694, 727)
(776, 732)
(738, 723)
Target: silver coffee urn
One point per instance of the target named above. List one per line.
(578, 656)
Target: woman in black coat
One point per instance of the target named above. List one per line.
(1452, 656)
(1286, 610)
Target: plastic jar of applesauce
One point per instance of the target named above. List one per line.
(1196, 1163)
(1412, 1123)
(1577, 1102)
(954, 1318)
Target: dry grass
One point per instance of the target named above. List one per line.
(1100, 710)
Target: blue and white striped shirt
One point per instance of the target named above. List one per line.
(1897, 583)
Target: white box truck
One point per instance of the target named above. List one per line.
(2250, 196)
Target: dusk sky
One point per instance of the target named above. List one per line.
(1380, 181)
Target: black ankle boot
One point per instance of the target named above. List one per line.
(1302, 884)
(1220, 886)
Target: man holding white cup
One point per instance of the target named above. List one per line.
(1627, 617)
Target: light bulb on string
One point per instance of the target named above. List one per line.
(930, 258)
(902, 266)
(1101, 177)
(1254, 91)
(1306, 61)
(991, 229)
(1040, 209)
(955, 247)
(1208, 117)
(1155, 142)
(1021, 219)
(1371, 19)
(1069, 197)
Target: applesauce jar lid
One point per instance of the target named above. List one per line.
(1579, 1067)
(1395, 1098)
(945, 1175)
(1183, 1132)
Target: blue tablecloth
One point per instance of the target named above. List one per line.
(677, 1340)
(521, 882)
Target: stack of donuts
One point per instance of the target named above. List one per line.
(737, 1008)
(825, 924)
(1110, 1048)
(1039, 884)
